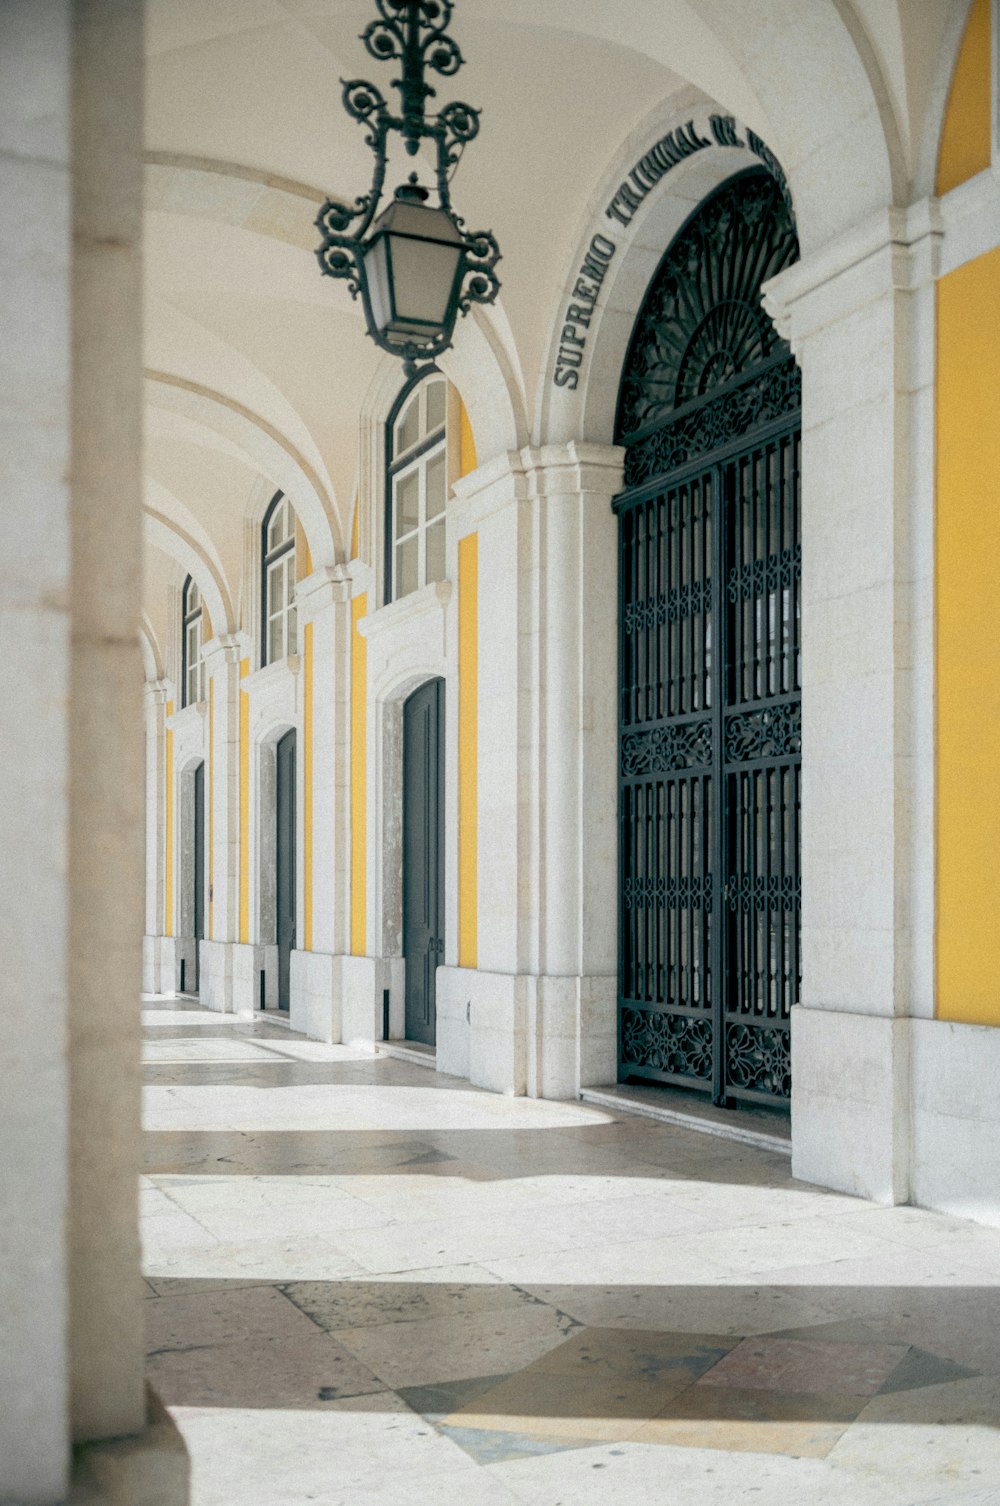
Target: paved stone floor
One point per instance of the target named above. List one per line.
(373, 1286)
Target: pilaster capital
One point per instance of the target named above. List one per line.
(896, 250)
(157, 692)
(328, 587)
(225, 649)
(573, 468)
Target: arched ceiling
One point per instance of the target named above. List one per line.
(259, 367)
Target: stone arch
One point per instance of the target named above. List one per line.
(178, 544)
(152, 658)
(626, 258)
(270, 451)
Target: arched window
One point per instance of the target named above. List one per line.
(192, 627)
(279, 638)
(417, 489)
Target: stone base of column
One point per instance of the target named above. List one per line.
(215, 982)
(547, 1037)
(151, 950)
(151, 1469)
(176, 952)
(956, 1118)
(254, 977)
(851, 1102)
(342, 999)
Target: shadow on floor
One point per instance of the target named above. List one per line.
(507, 1371)
(619, 1148)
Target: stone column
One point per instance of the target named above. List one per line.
(860, 319)
(71, 823)
(155, 701)
(222, 815)
(35, 249)
(539, 1010)
(317, 965)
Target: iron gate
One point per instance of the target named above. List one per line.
(709, 669)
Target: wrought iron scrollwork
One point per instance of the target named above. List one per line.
(766, 395)
(758, 892)
(771, 732)
(688, 340)
(681, 745)
(685, 893)
(678, 1044)
(759, 1059)
(760, 577)
(669, 606)
(415, 35)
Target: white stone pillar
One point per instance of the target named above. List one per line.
(540, 1007)
(222, 816)
(860, 319)
(35, 248)
(71, 1291)
(154, 708)
(317, 964)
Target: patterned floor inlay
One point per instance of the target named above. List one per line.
(795, 1392)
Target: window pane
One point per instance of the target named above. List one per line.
(289, 580)
(435, 551)
(406, 568)
(274, 640)
(435, 404)
(407, 503)
(291, 645)
(436, 485)
(408, 428)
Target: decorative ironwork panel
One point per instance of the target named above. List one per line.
(710, 565)
(702, 326)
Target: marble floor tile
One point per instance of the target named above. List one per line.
(369, 1285)
(360, 1304)
(309, 1370)
(605, 1408)
(806, 1366)
(439, 1349)
(222, 1316)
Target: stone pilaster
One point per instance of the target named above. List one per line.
(859, 316)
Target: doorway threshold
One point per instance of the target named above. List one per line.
(414, 1052)
(749, 1126)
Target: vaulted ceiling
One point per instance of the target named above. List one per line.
(258, 367)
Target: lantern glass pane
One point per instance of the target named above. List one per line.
(423, 274)
(379, 288)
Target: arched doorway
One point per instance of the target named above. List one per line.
(709, 651)
(423, 856)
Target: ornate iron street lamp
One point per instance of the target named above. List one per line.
(415, 266)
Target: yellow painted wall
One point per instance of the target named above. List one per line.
(968, 641)
(467, 443)
(244, 807)
(468, 750)
(168, 836)
(211, 807)
(359, 813)
(307, 791)
(965, 137)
